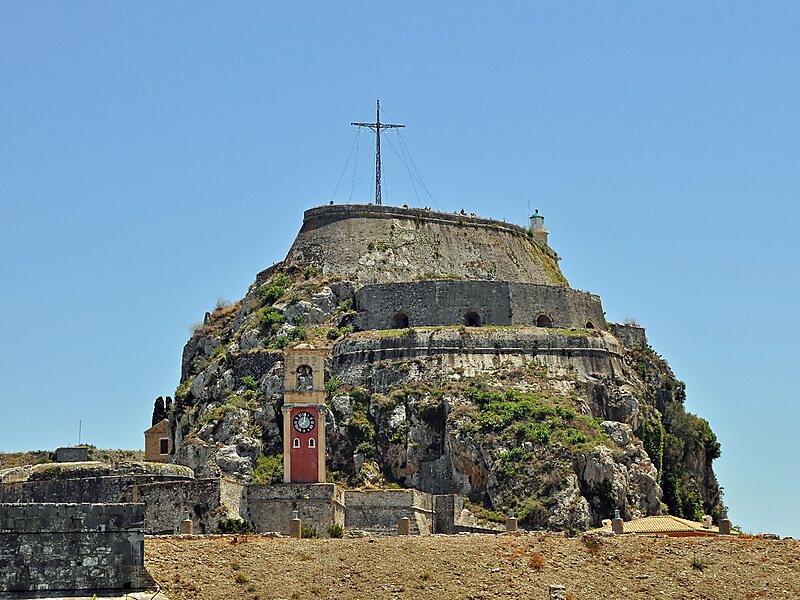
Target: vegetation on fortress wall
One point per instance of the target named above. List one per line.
(525, 434)
(674, 438)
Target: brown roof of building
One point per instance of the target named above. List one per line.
(160, 424)
(663, 524)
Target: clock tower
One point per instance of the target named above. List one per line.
(304, 414)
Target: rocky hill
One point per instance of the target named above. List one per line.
(561, 424)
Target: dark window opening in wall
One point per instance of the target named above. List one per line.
(163, 445)
(312, 443)
(544, 321)
(400, 321)
(305, 378)
(589, 325)
(472, 319)
(296, 443)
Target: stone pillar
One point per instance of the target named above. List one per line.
(295, 528)
(725, 526)
(616, 525)
(404, 526)
(186, 526)
(558, 592)
(511, 524)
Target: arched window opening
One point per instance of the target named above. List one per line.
(589, 325)
(400, 321)
(305, 378)
(296, 443)
(472, 319)
(544, 321)
(312, 443)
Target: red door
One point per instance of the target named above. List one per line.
(304, 428)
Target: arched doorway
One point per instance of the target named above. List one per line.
(544, 321)
(399, 321)
(472, 319)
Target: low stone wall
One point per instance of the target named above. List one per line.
(66, 547)
(379, 510)
(205, 501)
(319, 505)
(72, 454)
(434, 303)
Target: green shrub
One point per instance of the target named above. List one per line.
(360, 428)
(269, 469)
(270, 319)
(308, 532)
(332, 385)
(249, 382)
(272, 291)
(335, 531)
(280, 342)
(235, 526)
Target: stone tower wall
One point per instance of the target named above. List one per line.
(381, 244)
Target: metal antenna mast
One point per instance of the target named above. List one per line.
(377, 127)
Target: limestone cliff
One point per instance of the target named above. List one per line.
(563, 426)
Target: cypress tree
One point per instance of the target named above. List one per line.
(159, 412)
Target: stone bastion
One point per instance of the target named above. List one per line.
(475, 303)
(368, 243)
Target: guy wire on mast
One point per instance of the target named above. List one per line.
(377, 127)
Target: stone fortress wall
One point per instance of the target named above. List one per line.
(366, 243)
(475, 303)
(53, 547)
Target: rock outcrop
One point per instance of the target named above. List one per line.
(562, 426)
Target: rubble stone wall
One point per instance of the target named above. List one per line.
(71, 547)
(380, 510)
(205, 501)
(77, 490)
(379, 244)
(437, 303)
(319, 505)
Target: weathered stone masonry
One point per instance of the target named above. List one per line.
(71, 547)
(432, 303)
(379, 244)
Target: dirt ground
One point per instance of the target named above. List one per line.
(474, 566)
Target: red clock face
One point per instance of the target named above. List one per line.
(303, 422)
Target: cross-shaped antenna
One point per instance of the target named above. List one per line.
(377, 127)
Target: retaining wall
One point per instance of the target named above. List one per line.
(379, 510)
(319, 505)
(71, 547)
(205, 501)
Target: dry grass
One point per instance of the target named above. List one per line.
(473, 566)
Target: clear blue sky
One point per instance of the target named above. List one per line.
(155, 156)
